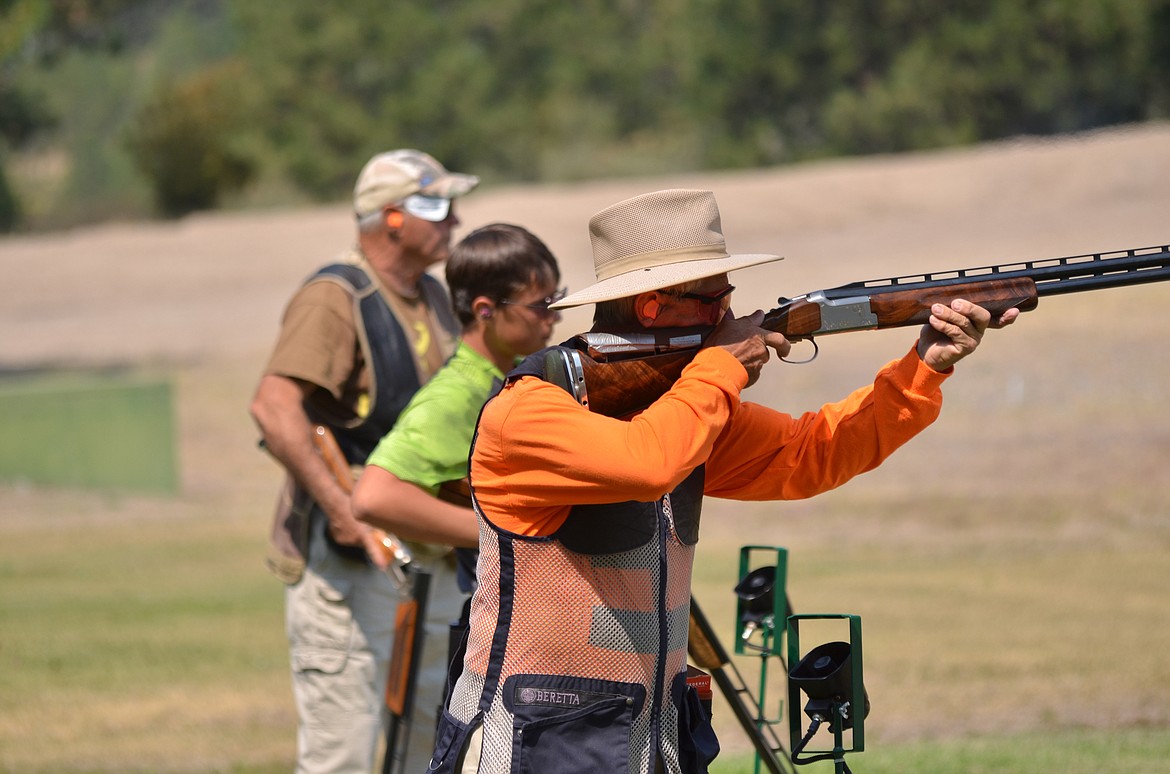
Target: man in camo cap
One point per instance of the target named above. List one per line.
(356, 342)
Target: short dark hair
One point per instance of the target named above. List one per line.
(496, 261)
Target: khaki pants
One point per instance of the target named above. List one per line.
(340, 622)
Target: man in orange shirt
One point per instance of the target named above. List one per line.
(576, 657)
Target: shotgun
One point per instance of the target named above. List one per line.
(397, 555)
(409, 616)
(620, 373)
(410, 629)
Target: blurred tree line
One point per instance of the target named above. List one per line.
(111, 108)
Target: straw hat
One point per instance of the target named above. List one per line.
(654, 241)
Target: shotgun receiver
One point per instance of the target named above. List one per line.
(618, 373)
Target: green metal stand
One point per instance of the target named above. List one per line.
(841, 709)
(762, 601)
(762, 598)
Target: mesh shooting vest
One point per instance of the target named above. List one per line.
(576, 658)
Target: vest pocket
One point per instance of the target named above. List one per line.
(568, 724)
(450, 741)
(697, 743)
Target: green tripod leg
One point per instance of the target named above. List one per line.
(709, 654)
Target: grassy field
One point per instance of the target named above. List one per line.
(1011, 565)
(1087, 751)
(154, 643)
(1007, 628)
(140, 646)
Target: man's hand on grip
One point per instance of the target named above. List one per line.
(748, 342)
(348, 531)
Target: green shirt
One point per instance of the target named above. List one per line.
(430, 442)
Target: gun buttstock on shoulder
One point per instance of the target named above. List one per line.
(565, 369)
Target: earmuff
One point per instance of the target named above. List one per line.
(394, 219)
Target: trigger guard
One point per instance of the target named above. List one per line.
(816, 351)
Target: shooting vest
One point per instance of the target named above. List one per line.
(576, 658)
(394, 380)
(393, 375)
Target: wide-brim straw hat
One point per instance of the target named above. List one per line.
(655, 241)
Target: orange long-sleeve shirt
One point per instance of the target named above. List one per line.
(539, 452)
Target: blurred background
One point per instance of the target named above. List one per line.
(115, 109)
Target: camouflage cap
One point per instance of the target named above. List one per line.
(391, 177)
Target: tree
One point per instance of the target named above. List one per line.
(183, 141)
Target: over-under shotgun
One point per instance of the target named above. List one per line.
(619, 373)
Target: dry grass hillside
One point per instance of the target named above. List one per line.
(1010, 565)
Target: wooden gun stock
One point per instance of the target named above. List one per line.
(333, 456)
(456, 492)
(396, 553)
(811, 315)
(618, 374)
(406, 623)
(620, 387)
(624, 387)
(410, 620)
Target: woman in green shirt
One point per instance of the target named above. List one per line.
(502, 280)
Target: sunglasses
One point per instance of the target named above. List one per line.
(541, 307)
(432, 208)
(712, 298)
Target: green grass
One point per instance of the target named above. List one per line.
(99, 430)
(146, 636)
(1081, 751)
(1011, 635)
(141, 646)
